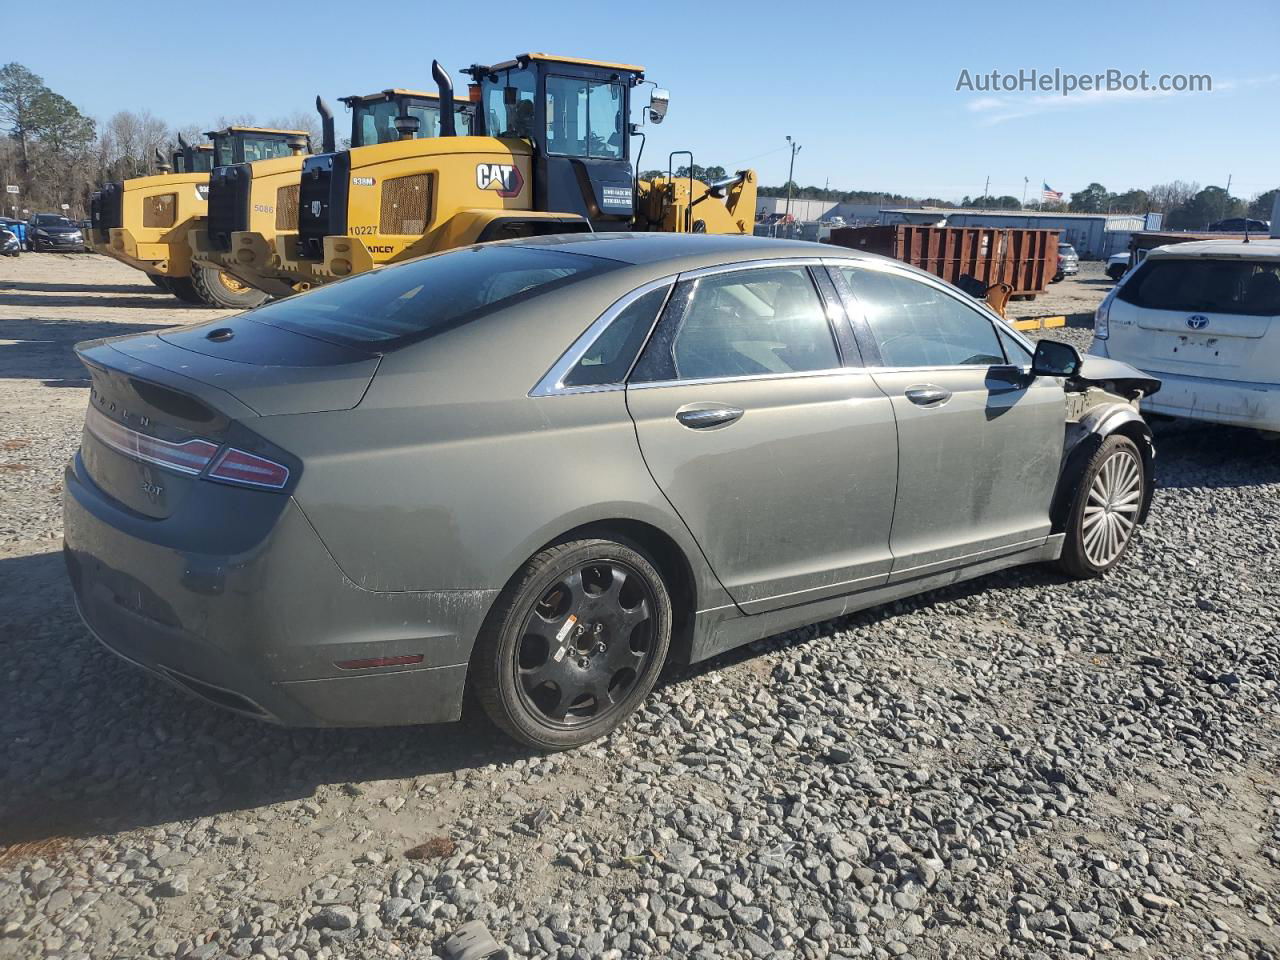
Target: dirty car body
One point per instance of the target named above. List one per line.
(310, 512)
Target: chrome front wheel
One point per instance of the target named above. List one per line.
(1106, 509)
(1111, 509)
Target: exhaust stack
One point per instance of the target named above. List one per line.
(162, 162)
(445, 85)
(328, 143)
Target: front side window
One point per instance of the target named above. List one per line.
(609, 358)
(382, 308)
(917, 325)
(584, 118)
(1244, 287)
(746, 323)
(509, 104)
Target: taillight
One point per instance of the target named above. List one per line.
(190, 456)
(236, 466)
(1102, 317)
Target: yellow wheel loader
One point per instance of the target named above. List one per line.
(550, 153)
(146, 221)
(251, 204)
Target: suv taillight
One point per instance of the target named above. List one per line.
(1102, 317)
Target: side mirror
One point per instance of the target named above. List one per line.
(659, 100)
(1054, 359)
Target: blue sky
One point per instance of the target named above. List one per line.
(868, 89)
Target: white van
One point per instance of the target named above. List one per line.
(1204, 317)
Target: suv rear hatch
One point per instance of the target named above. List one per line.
(1200, 316)
(167, 410)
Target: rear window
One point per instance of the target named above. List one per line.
(1209, 286)
(381, 308)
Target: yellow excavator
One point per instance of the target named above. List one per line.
(146, 221)
(249, 204)
(549, 152)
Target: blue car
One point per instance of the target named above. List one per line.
(18, 228)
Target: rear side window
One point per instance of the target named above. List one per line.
(1211, 286)
(609, 358)
(747, 323)
(423, 297)
(917, 325)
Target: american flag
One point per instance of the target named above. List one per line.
(1050, 195)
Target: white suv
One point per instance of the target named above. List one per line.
(1203, 316)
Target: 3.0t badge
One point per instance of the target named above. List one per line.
(503, 178)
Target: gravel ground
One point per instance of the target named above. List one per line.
(1017, 767)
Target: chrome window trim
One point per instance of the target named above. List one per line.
(750, 377)
(552, 382)
(750, 265)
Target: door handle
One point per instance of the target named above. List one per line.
(928, 395)
(700, 418)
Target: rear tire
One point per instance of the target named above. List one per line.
(218, 289)
(1104, 514)
(573, 645)
(184, 290)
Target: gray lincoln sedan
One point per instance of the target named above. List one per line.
(545, 467)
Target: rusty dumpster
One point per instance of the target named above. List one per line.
(1025, 259)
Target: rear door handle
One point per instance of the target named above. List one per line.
(928, 395)
(700, 418)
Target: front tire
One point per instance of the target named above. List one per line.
(1104, 514)
(573, 645)
(216, 288)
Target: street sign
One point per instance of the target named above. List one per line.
(66, 206)
(11, 188)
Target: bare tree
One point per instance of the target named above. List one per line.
(1165, 197)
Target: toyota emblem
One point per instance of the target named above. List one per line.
(1197, 321)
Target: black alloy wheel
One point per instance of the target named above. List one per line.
(585, 630)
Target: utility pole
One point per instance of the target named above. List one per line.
(985, 191)
(1226, 201)
(795, 148)
(1025, 181)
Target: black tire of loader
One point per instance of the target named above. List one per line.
(214, 293)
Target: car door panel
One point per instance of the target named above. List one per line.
(976, 470)
(979, 440)
(780, 460)
(790, 500)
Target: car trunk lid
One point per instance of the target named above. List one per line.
(163, 405)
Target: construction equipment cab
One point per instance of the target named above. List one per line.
(148, 220)
(261, 250)
(253, 189)
(551, 154)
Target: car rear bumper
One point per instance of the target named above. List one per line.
(261, 633)
(1236, 402)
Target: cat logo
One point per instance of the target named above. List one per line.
(503, 178)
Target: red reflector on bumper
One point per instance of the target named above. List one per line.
(379, 662)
